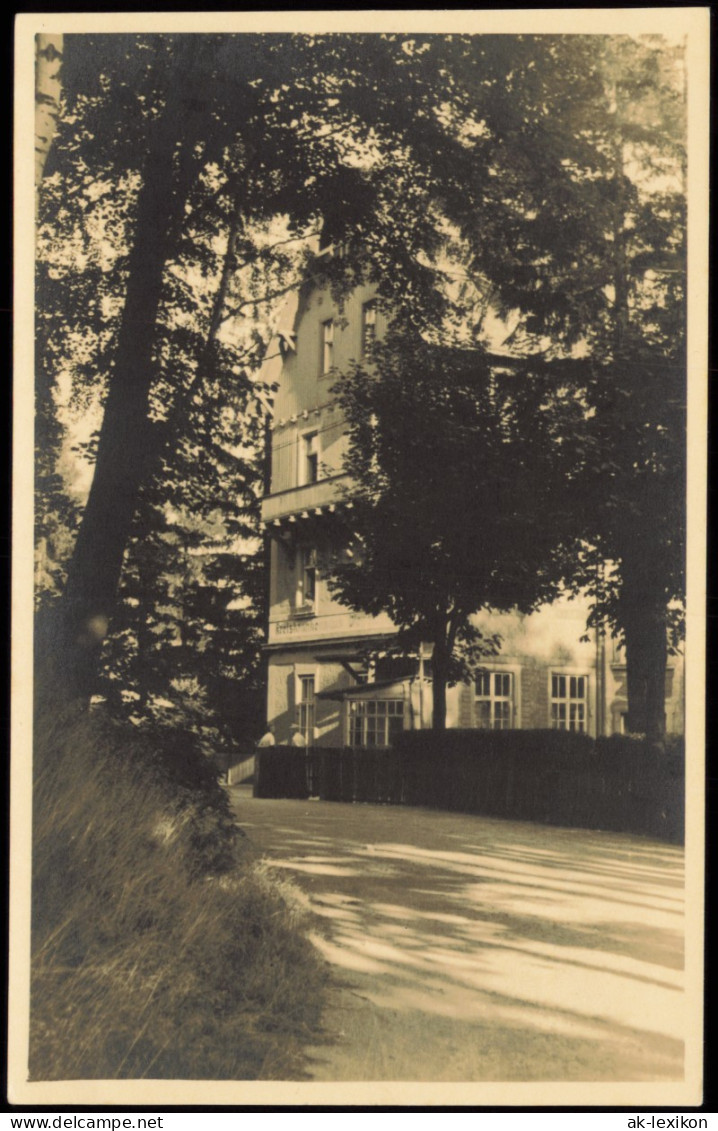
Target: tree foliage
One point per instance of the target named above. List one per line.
(550, 161)
(171, 144)
(633, 487)
(573, 224)
(458, 496)
(186, 632)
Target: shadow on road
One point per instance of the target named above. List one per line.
(474, 948)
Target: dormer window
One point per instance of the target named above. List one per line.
(327, 360)
(368, 326)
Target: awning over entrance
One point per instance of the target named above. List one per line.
(364, 690)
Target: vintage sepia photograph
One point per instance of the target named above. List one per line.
(358, 681)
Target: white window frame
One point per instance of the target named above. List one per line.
(368, 318)
(308, 446)
(305, 710)
(359, 713)
(570, 700)
(494, 697)
(307, 565)
(326, 346)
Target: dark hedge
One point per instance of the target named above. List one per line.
(555, 777)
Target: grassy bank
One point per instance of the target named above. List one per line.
(161, 948)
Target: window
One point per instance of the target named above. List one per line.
(375, 722)
(368, 326)
(309, 471)
(327, 345)
(568, 702)
(305, 708)
(307, 580)
(494, 700)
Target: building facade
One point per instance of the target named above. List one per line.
(330, 672)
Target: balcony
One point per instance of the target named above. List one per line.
(328, 626)
(310, 499)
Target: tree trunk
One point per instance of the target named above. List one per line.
(646, 658)
(70, 639)
(439, 679)
(643, 613)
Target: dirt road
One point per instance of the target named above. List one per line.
(466, 948)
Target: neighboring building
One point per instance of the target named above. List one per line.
(544, 676)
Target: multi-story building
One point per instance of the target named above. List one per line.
(318, 674)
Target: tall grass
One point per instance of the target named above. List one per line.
(161, 948)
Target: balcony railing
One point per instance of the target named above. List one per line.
(310, 497)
